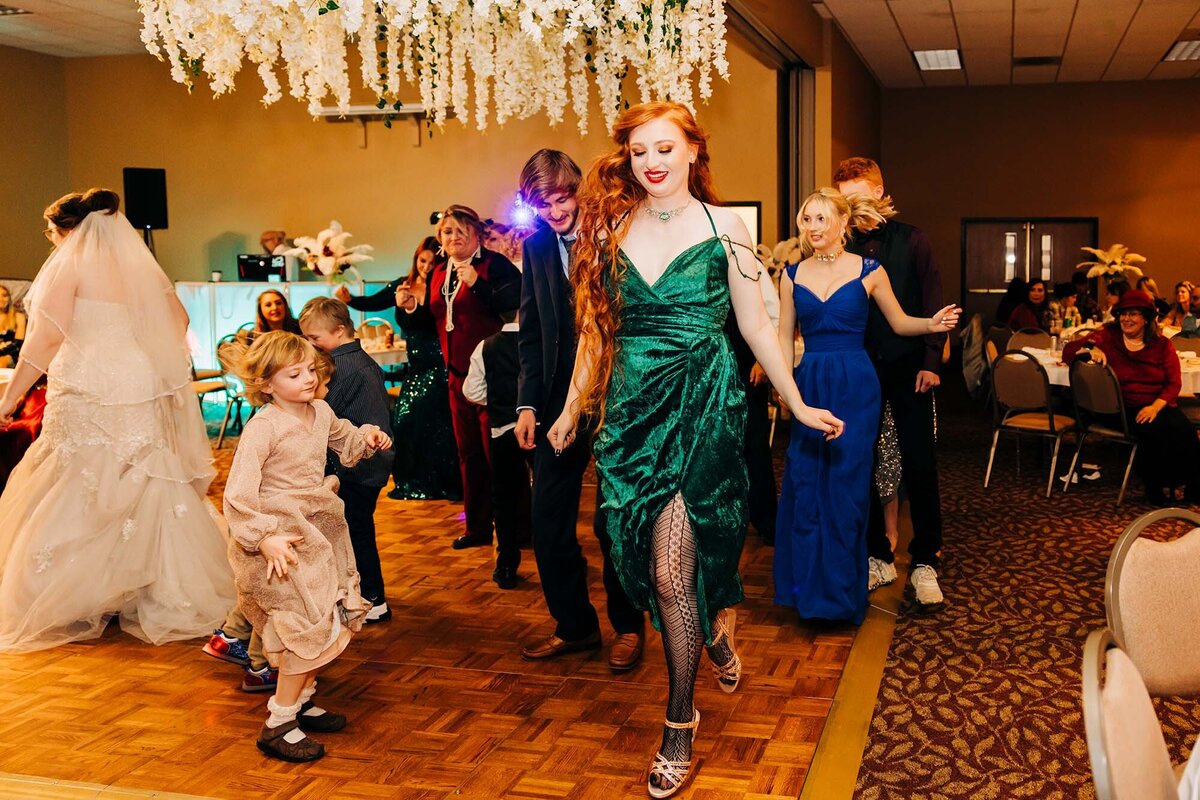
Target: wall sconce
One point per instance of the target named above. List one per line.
(1047, 255)
(1010, 256)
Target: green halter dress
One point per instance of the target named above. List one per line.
(674, 423)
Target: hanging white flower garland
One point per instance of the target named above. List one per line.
(479, 58)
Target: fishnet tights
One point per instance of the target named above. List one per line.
(673, 568)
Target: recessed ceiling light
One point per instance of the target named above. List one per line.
(929, 60)
(1184, 51)
(10, 11)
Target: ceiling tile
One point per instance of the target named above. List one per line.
(870, 26)
(985, 31)
(1154, 28)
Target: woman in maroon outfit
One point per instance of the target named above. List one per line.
(1147, 368)
(465, 293)
(1032, 312)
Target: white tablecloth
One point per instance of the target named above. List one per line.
(388, 356)
(1060, 374)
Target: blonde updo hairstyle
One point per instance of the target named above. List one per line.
(255, 364)
(859, 212)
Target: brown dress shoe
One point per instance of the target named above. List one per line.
(271, 742)
(553, 646)
(329, 722)
(626, 652)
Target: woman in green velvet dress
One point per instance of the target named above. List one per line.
(657, 267)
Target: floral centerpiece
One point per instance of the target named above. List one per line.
(327, 255)
(1114, 265)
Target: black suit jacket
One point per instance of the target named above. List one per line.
(547, 335)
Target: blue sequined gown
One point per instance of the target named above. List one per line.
(821, 539)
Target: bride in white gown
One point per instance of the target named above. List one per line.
(107, 514)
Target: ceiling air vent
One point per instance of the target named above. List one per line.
(1037, 61)
(12, 11)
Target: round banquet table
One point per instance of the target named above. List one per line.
(1060, 375)
(387, 356)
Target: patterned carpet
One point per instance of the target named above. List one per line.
(982, 699)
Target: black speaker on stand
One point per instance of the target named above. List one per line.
(146, 201)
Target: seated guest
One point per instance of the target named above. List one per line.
(1181, 307)
(1033, 311)
(273, 314)
(1014, 295)
(12, 328)
(1147, 367)
(21, 433)
(1084, 301)
(1147, 285)
(273, 243)
(1115, 290)
(1063, 312)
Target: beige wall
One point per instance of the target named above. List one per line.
(854, 126)
(235, 168)
(33, 154)
(1128, 153)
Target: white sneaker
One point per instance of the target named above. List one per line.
(879, 573)
(925, 583)
(379, 613)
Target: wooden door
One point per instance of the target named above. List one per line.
(995, 250)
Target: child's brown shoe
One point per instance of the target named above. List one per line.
(271, 742)
(329, 722)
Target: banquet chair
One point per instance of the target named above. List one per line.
(373, 328)
(1030, 337)
(996, 341)
(235, 393)
(1124, 739)
(1097, 392)
(1151, 604)
(1183, 344)
(1021, 393)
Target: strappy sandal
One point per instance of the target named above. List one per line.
(271, 742)
(672, 773)
(728, 675)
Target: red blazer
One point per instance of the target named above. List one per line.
(477, 308)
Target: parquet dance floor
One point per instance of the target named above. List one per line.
(439, 701)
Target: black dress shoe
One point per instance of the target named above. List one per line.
(505, 577)
(472, 540)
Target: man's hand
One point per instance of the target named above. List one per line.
(526, 430)
(927, 380)
(342, 293)
(758, 375)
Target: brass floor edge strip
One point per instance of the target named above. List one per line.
(836, 761)
(12, 783)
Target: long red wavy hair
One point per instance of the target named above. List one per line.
(607, 196)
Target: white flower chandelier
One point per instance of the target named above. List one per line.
(517, 57)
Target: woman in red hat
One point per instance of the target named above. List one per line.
(1147, 367)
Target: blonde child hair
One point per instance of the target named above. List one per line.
(329, 311)
(858, 211)
(255, 364)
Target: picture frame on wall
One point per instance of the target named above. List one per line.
(751, 213)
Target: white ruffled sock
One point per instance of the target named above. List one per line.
(284, 714)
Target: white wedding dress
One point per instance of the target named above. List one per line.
(106, 514)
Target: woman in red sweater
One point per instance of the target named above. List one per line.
(1147, 368)
(1032, 312)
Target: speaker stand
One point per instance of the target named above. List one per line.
(148, 236)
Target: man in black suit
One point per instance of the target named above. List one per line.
(547, 353)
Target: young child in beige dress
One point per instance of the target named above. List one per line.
(289, 546)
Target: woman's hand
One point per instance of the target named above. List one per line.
(342, 293)
(278, 552)
(945, 320)
(1149, 413)
(562, 434)
(821, 420)
(1097, 356)
(7, 414)
(405, 298)
(467, 274)
(378, 440)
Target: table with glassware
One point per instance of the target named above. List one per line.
(386, 355)
(1060, 374)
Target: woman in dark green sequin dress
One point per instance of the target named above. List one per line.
(657, 267)
(426, 465)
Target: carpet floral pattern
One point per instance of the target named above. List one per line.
(982, 698)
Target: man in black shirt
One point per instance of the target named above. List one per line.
(908, 369)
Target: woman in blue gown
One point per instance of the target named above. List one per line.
(821, 550)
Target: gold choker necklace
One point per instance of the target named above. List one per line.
(829, 258)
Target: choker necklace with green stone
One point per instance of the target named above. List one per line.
(829, 258)
(666, 216)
